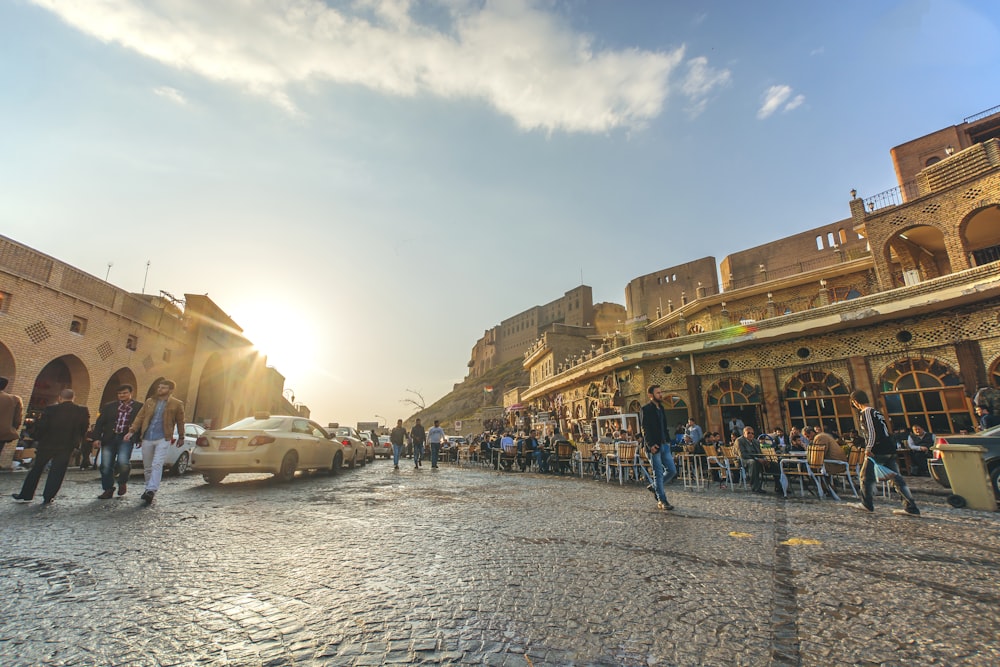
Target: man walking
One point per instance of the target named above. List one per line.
(435, 436)
(11, 412)
(418, 436)
(156, 422)
(113, 423)
(880, 449)
(58, 432)
(656, 439)
(397, 437)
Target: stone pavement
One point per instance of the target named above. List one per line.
(468, 566)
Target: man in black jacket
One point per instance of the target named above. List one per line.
(59, 431)
(880, 449)
(656, 440)
(116, 451)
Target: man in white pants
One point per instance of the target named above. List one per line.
(156, 422)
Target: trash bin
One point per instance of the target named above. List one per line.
(967, 475)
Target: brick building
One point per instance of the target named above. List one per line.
(63, 328)
(901, 299)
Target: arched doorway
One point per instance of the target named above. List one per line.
(813, 397)
(732, 401)
(994, 375)
(675, 410)
(208, 406)
(65, 372)
(120, 377)
(917, 254)
(925, 392)
(981, 236)
(7, 367)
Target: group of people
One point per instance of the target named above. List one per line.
(417, 438)
(62, 429)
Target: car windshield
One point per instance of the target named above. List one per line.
(254, 424)
(343, 432)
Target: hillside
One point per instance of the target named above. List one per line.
(469, 399)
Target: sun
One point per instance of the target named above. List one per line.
(288, 338)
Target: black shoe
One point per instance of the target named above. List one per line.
(47, 501)
(436, 467)
(108, 493)
(19, 498)
(651, 489)
(761, 491)
(147, 497)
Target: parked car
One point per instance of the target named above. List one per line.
(349, 437)
(383, 447)
(990, 439)
(369, 439)
(278, 444)
(178, 458)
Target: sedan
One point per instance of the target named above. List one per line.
(349, 437)
(280, 445)
(989, 439)
(178, 457)
(384, 446)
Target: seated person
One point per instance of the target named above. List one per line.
(986, 417)
(754, 461)
(832, 452)
(920, 443)
(796, 444)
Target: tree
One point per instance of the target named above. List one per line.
(419, 403)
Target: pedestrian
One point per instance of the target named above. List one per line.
(58, 432)
(155, 423)
(656, 440)
(398, 439)
(11, 412)
(418, 436)
(113, 422)
(879, 448)
(986, 418)
(435, 437)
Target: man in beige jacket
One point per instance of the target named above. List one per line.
(156, 422)
(11, 412)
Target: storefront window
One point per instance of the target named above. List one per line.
(926, 392)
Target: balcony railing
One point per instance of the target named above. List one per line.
(900, 194)
(981, 114)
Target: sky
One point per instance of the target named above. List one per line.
(366, 186)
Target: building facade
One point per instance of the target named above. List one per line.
(63, 328)
(901, 299)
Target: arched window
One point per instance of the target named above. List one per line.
(732, 391)
(927, 392)
(994, 376)
(817, 396)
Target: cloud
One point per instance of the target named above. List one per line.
(777, 97)
(171, 94)
(519, 58)
(701, 81)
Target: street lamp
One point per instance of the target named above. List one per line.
(289, 393)
(384, 420)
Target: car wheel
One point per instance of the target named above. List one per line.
(288, 466)
(995, 479)
(181, 466)
(213, 478)
(338, 464)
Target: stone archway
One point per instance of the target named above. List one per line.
(980, 234)
(916, 254)
(65, 372)
(117, 379)
(210, 404)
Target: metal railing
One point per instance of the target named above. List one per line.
(900, 194)
(981, 114)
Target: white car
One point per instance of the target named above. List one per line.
(178, 458)
(278, 444)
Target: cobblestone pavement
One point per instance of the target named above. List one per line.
(468, 566)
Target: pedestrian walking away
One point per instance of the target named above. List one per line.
(656, 440)
(113, 423)
(879, 448)
(435, 437)
(418, 436)
(155, 423)
(59, 431)
(398, 439)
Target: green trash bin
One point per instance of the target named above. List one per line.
(968, 476)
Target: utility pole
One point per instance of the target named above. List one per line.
(145, 277)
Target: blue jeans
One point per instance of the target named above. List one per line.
(663, 460)
(418, 453)
(435, 448)
(540, 458)
(396, 451)
(868, 482)
(115, 458)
